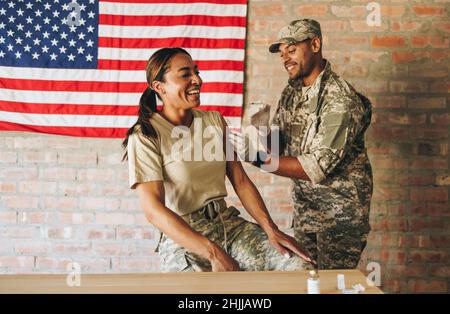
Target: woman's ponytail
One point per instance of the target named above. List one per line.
(147, 106)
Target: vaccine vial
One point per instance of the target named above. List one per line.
(341, 282)
(313, 282)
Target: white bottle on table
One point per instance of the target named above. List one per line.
(313, 282)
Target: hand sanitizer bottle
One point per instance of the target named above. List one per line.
(313, 282)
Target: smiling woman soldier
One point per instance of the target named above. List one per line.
(184, 199)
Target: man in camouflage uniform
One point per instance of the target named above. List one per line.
(322, 120)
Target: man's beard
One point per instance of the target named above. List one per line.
(301, 73)
(298, 74)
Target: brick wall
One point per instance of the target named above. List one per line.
(65, 199)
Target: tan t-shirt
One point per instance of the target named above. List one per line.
(189, 160)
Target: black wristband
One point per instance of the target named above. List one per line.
(261, 158)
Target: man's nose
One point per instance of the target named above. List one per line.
(197, 80)
(284, 57)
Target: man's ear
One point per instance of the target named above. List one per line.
(157, 86)
(316, 44)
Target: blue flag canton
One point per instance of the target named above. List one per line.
(49, 33)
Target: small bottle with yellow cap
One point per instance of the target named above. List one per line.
(313, 282)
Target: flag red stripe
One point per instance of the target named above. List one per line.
(228, 65)
(120, 87)
(109, 110)
(186, 42)
(227, 111)
(65, 130)
(169, 20)
(179, 1)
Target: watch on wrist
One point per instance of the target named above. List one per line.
(261, 158)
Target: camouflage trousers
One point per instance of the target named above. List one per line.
(335, 248)
(244, 241)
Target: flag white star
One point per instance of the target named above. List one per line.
(91, 15)
(10, 33)
(64, 21)
(81, 21)
(92, 1)
(53, 56)
(27, 48)
(18, 40)
(46, 34)
(82, 7)
(65, 7)
(2, 40)
(2, 25)
(62, 49)
(37, 27)
(47, 20)
(81, 36)
(18, 55)
(45, 49)
(47, 6)
(10, 47)
(29, 5)
(55, 13)
(35, 55)
(2, 54)
(80, 50)
(29, 20)
(37, 41)
(63, 35)
(28, 34)
(20, 12)
(11, 19)
(72, 43)
(90, 43)
(71, 57)
(11, 5)
(89, 57)
(54, 42)
(55, 28)
(90, 29)
(20, 27)
(2, 11)
(38, 12)
(73, 28)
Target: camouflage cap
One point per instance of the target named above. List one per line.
(297, 31)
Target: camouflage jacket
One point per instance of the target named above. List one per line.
(323, 126)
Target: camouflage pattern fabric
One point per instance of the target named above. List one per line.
(324, 128)
(246, 242)
(296, 31)
(337, 248)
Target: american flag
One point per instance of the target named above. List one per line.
(77, 67)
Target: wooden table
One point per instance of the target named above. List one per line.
(183, 283)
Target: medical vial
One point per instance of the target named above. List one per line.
(313, 282)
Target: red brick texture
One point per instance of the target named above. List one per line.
(65, 199)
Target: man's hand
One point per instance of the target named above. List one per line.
(261, 118)
(244, 146)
